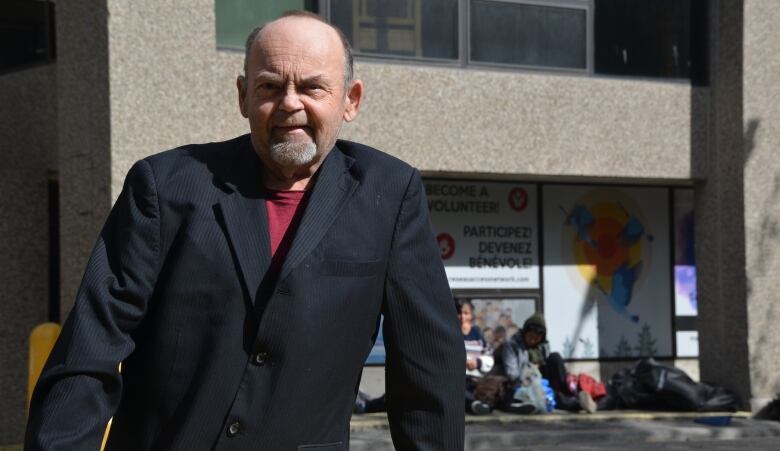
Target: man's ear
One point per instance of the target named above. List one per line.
(354, 99)
(241, 86)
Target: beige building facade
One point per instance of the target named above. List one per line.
(135, 78)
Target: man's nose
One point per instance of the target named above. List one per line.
(291, 100)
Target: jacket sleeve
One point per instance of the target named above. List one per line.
(513, 359)
(425, 368)
(80, 387)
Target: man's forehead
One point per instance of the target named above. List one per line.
(298, 35)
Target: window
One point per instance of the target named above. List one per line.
(26, 33)
(236, 18)
(645, 38)
(403, 28)
(528, 34)
(658, 38)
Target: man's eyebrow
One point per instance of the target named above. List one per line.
(315, 79)
(268, 76)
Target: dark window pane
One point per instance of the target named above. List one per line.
(646, 38)
(26, 33)
(236, 18)
(401, 28)
(530, 35)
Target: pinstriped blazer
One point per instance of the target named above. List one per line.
(217, 353)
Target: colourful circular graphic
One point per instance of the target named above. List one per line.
(446, 245)
(518, 199)
(605, 237)
(597, 260)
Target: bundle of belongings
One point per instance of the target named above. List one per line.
(532, 395)
(652, 386)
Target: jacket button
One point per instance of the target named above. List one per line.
(260, 358)
(233, 429)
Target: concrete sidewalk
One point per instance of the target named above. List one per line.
(612, 430)
(615, 430)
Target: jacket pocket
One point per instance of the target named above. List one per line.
(344, 268)
(335, 446)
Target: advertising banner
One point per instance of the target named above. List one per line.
(487, 233)
(684, 263)
(607, 280)
(684, 272)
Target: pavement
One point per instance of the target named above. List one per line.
(613, 430)
(610, 430)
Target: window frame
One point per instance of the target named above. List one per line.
(586, 5)
(464, 40)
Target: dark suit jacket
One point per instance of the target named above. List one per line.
(177, 288)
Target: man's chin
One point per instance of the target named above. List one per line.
(293, 153)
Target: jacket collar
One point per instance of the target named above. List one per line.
(246, 220)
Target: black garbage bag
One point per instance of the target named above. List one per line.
(652, 386)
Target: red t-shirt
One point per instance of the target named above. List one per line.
(285, 209)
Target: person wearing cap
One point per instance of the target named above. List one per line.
(529, 345)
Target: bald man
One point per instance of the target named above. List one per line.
(241, 283)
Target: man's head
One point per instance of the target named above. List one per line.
(534, 330)
(296, 92)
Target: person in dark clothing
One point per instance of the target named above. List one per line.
(529, 345)
(476, 362)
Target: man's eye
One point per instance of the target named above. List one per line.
(267, 86)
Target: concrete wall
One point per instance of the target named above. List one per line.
(83, 135)
(169, 85)
(737, 203)
(761, 122)
(28, 139)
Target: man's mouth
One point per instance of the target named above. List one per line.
(292, 129)
(294, 126)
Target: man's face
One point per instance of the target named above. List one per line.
(294, 94)
(532, 339)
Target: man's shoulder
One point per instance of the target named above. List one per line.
(196, 154)
(370, 158)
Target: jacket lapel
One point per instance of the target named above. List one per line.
(332, 188)
(246, 220)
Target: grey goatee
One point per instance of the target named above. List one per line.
(291, 153)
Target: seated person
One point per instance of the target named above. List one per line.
(477, 362)
(529, 345)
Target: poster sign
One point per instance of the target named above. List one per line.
(685, 272)
(487, 232)
(499, 319)
(684, 262)
(687, 343)
(607, 276)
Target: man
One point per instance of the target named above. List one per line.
(240, 283)
(529, 346)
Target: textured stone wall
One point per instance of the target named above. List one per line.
(27, 141)
(163, 65)
(83, 135)
(761, 122)
(719, 211)
(170, 85)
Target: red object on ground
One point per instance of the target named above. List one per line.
(596, 389)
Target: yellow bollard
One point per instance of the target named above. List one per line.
(42, 339)
(108, 426)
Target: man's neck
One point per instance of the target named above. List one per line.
(290, 178)
(292, 182)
